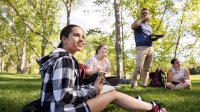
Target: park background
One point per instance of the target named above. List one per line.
(29, 29)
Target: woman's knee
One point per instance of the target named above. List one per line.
(188, 84)
(167, 83)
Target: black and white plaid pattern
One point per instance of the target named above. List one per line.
(62, 90)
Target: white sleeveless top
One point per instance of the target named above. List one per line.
(177, 76)
(93, 63)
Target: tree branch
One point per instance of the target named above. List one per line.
(23, 20)
(17, 12)
(7, 55)
(162, 17)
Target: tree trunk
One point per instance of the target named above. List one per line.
(23, 59)
(179, 34)
(122, 33)
(1, 62)
(43, 46)
(8, 56)
(118, 38)
(68, 6)
(44, 42)
(18, 55)
(29, 66)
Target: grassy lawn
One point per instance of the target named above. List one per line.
(17, 90)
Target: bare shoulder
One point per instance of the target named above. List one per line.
(169, 70)
(186, 70)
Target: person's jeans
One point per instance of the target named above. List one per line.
(144, 58)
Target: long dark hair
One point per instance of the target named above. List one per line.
(99, 47)
(65, 32)
(173, 60)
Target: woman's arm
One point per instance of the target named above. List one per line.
(187, 74)
(108, 70)
(137, 23)
(64, 88)
(90, 69)
(169, 76)
(90, 72)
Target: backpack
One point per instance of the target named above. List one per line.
(82, 70)
(34, 106)
(157, 78)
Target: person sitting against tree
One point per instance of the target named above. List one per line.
(177, 76)
(62, 89)
(99, 63)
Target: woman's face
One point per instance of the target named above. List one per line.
(177, 64)
(75, 40)
(103, 51)
(144, 13)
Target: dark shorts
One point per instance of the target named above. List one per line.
(175, 83)
(82, 108)
(109, 80)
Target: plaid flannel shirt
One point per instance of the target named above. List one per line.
(61, 89)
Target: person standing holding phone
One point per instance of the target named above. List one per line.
(144, 50)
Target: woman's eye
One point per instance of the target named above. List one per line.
(76, 34)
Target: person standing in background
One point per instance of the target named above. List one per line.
(144, 49)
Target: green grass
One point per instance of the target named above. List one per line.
(17, 90)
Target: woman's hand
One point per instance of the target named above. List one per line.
(98, 69)
(98, 84)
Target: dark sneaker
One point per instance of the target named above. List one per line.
(157, 107)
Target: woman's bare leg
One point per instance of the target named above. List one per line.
(100, 102)
(184, 85)
(169, 85)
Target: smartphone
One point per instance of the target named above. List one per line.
(159, 35)
(101, 74)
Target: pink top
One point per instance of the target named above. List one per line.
(93, 63)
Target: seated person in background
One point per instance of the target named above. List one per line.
(177, 77)
(99, 63)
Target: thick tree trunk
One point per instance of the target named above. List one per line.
(122, 33)
(118, 38)
(43, 47)
(23, 60)
(1, 62)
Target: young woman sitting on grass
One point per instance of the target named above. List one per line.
(100, 63)
(62, 90)
(178, 77)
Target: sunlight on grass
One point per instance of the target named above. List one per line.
(16, 90)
